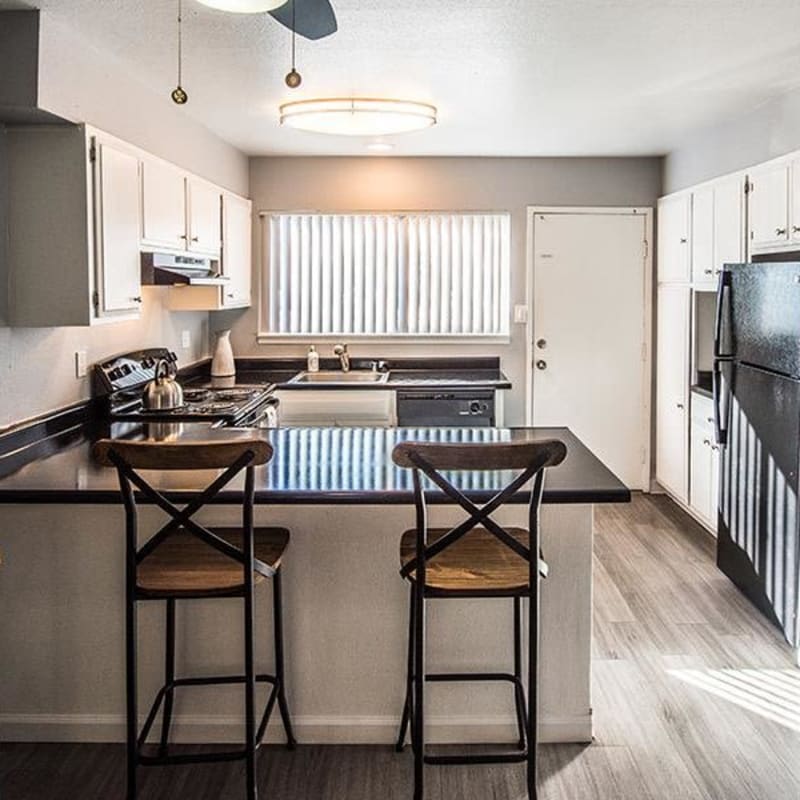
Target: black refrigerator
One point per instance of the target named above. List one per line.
(757, 410)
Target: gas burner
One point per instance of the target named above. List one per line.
(232, 394)
(196, 395)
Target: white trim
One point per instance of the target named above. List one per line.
(223, 729)
(419, 339)
(647, 368)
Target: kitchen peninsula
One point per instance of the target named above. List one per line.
(346, 505)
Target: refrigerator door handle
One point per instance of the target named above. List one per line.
(723, 293)
(720, 433)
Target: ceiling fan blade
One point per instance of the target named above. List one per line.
(313, 19)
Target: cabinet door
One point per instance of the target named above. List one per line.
(700, 471)
(117, 223)
(672, 389)
(236, 250)
(673, 239)
(204, 204)
(769, 206)
(795, 231)
(163, 206)
(715, 477)
(729, 228)
(703, 235)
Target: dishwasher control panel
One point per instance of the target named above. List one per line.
(457, 408)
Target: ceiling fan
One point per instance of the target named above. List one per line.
(312, 19)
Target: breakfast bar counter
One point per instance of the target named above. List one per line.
(346, 505)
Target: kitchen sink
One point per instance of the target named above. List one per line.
(337, 376)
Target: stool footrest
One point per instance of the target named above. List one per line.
(460, 759)
(196, 758)
(466, 677)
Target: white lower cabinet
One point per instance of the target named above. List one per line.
(704, 462)
(672, 389)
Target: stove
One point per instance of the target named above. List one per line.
(120, 381)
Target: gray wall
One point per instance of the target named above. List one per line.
(37, 371)
(762, 133)
(348, 184)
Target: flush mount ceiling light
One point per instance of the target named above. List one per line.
(244, 6)
(358, 116)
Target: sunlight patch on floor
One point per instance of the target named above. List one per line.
(772, 693)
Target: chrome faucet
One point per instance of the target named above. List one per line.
(344, 357)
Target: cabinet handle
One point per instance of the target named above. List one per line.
(706, 442)
(683, 241)
(780, 231)
(795, 228)
(195, 238)
(230, 295)
(182, 236)
(679, 405)
(136, 299)
(708, 272)
(710, 420)
(715, 447)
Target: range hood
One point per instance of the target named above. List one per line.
(166, 269)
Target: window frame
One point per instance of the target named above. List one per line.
(412, 338)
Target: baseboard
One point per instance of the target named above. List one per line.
(189, 729)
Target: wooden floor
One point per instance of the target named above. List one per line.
(695, 697)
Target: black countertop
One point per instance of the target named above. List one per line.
(311, 466)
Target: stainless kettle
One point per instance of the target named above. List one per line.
(163, 393)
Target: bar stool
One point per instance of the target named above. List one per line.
(476, 558)
(186, 561)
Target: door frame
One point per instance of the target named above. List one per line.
(647, 323)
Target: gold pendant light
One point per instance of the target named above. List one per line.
(178, 95)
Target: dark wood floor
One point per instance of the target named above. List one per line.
(695, 698)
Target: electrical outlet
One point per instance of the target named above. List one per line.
(81, 367)
(186, 339)
(521, 314)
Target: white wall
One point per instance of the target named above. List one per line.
(80, 83)
(512, 184)
(756, 135)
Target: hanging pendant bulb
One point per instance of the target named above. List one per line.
(178, 94)
(293, 78)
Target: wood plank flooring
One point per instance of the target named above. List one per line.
(695, 698)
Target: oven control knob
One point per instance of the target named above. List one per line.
(474, 407)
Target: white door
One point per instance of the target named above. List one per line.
(673, 238)
(237, 264)
(589, 334)
(163, 206)
(117, 221)
(769, 206)
(672, 389)
(205, 208)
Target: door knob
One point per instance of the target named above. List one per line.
(541, 364)
(541, 343)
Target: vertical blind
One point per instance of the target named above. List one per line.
(386, 274)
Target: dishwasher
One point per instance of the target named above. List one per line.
(463, 408)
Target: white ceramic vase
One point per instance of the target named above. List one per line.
(222, 364)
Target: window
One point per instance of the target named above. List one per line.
(425, 274)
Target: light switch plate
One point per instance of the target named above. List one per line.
(521, 314)
(186, 339)
(81, 367)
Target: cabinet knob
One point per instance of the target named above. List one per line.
(195, 238)
(541, 343)
(795, 228)
(679, 405)
(683, 240)
(182, 236)
(708, 272)
(541, 364)
(136, 299)
(229, 295)
(706, 442)
(780, 231)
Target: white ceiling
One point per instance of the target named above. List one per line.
(510, 77)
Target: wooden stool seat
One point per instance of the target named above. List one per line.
(477, 563)
(184, 566)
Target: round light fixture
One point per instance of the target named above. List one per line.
(357, 116)
(244, 6)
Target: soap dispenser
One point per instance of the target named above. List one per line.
(312, 360)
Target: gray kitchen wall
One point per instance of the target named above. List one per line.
(758, 134)
(78, 82)
(512, 184)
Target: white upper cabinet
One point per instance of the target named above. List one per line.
(795, 204)
(163, 206)
(703, 235)
(729, 222)
(73, 227)
(769, 206)
(237, 259)
(672, 390)
(117, 228)
(203, 201)
(673, 239)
